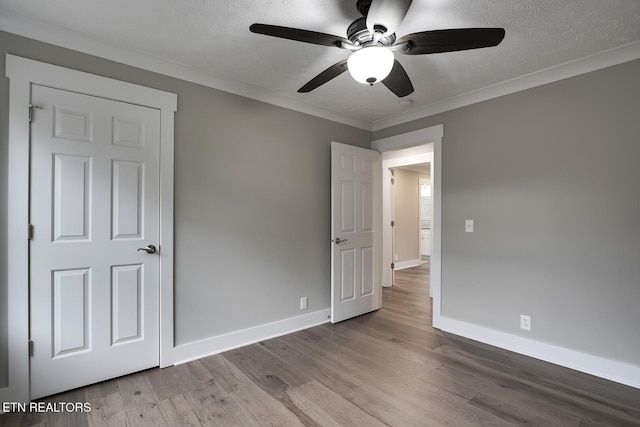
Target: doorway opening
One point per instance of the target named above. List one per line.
(411, 200)
(423, 146)
(411, 215)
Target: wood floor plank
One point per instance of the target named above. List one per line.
(328, 408)
(625, 394)
(441, 407)
(172, 381)
(140, 401)
(100, 390)
(392, 328)
(509, 413)
(65, 418)
(218, 409)
(305, 360)
(177, 411)
(448, 377)
(227, 375)
(272, 374)
(268, 410)
(265, 369)
(391, 409)
(580, 403)
(19, 419)
(389, 351)
(108, 411)
(623, 398)
(392, 355)
(169, 382)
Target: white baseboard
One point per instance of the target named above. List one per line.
(407, 264)
(620, 372)
(221, 343)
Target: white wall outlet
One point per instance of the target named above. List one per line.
(303, 303)
(395, 258)
(525, 322)
(468, 226)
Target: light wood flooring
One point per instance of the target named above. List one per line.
(384, 368)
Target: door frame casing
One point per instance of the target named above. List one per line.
(22, 74)
(413, 140)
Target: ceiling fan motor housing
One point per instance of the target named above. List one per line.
(359, 35)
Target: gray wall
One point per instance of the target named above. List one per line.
(550, 176)
(252, 198)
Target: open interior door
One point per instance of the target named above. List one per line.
(355, 281)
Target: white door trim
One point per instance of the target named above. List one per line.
(22, 73)
(409, 140)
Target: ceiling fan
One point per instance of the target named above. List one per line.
(372, 41)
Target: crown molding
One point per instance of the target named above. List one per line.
(48, 33)
(604, 59)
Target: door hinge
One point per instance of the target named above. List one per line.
(393, 266)
(31, 108)
(393, 223)
(30, 232)
(30, 348)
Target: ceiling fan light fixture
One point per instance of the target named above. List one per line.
(370, 64)
(372, 41)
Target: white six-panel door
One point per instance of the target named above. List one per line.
(94, 202)
(353, 257)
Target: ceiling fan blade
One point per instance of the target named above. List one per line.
(298, 35)
(438, 41)
(387, 13)
(398, 81)
(330, 73)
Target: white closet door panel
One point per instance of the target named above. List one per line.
(71, 313)
(94, 201)
(71, 197)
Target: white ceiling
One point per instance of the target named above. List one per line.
(212, 37)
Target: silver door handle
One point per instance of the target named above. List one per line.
(339, 240)
(150, 249)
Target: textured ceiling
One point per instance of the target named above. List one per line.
(213, 36)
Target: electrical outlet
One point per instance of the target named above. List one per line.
(303, 303)
(395, 258)
(525, 322)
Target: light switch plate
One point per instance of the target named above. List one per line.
(468, 226)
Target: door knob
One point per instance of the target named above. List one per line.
(150, 249)
(339, 240)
